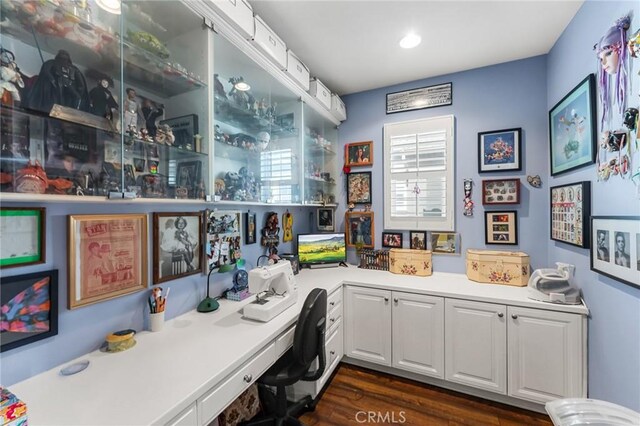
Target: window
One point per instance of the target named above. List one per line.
(276, 171)
(419, 174)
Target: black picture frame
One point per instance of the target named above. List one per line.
(183, 255)
(569, 210)
(184, 129)
(492, 150)
(354, 182)
(325, 219)
(19, 284)
(621, 265)
(387, 238)
(506, 232)
(250, 227)
(583, 110)
(420, 98)
(418, 240)
(189, 175)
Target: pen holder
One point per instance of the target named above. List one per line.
(156, 321)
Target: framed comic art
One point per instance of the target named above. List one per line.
(23, 233)
(572, 129)
(501, 227)
(501, 191)
(326, 219)
(392, 239)
(418, 240)
(33, 298)
(615, 248)
(359, 188)
(360, 229)
(223, 237)
(107, 257)
(570, 212)
(499, 150)
(358, 154)
(177, 245)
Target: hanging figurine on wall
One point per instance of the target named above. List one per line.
(271, 235)
(101, 101)
(287, 223)
(468, 202)
(534, 181)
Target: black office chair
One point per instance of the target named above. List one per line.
(294, 365)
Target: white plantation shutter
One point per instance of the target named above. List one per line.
(419, 173)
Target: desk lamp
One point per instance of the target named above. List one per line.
(209, 304)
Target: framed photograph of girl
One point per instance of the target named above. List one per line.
(177, 245)
(358, 154)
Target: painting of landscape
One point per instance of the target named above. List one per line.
(321, 248)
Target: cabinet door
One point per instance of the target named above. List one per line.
(545, 354)
(475, 344)
(418, 333)
(368, 324)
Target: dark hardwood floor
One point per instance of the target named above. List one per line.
(355, 391)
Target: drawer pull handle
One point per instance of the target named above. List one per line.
(332, 319)
(395, 300)
(386, 299)
(248, 378)
(332, 352)
(514, 316)
(500, 314)
(332, 303)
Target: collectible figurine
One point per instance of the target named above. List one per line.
(634, 45)
(150, 113)
(164, 135)
(131, 110)
(101, 101)
(534, 181)
(630, 119)
(263, 139)
(218, 88)
(271, 235)
(10, 78)
(287, 223)
(468, 202)
(239, 97)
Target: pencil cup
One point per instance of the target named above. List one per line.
(156, 321)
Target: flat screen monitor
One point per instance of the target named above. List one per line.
(322, 249)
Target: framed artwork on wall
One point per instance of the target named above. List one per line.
(177, 245)
(501, 191)
(358, 154)
(223, 238)
(501, 227)
(34, 300)
(615, 248)
(359, 188)
(23, 233)
(326, 219)
(107, 257)
(392, 239)
(420, 98)
(418, 240)
(572, 129)
(445, 243)
(570, 212)
(250, 228)
(360, 229)
(500, 150)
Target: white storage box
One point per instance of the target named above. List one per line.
(268, 42)
(298, 70)
(338, 109)
(238, 13)
(320, 92)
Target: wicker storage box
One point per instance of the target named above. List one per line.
(498, 267)
(410, 262)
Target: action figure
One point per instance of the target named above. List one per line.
(150, 114)
(10, 78)
(101, 100)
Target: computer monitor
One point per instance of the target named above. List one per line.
(322, 249)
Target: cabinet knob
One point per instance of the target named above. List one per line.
(248, 378)
(332, 352)
(332, 303)
(332, 319)
(514, 316)
(500, 314)
(386, 299)
(395, 300)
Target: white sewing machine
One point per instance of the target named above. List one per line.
(275, 290)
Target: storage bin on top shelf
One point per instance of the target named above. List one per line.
(498, 267)
(410, 262)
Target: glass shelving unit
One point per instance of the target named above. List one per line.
(321, 171)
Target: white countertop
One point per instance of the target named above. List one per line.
(167, 371)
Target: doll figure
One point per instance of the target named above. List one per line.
(10, 79)
(150, 113)
(101, 101)
(164, 135)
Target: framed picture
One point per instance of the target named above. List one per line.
(33, 300)
(295, 261)
(615, 248)
(501, 227)
(445, 243)
(570, 212)
(501, 191)
(223, 237)
(423, 97)
(177, 245)
(358, 154)
(392, 239)
(250, 228)
(23, 233)
(184, 129)
(360, 229)
(418, 240)
(572, 129)
(359, 188)
(499, 150)
(188, 176)
(326, 219)
(107, 257)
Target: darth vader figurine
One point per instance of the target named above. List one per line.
(59, 82)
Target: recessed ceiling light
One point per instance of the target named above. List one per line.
(410, 41)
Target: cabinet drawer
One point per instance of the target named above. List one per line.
(188, 417)
(297, 70)
(333, 319)
(268, 42)
(213, 402)
(334, 300)
(285, 341)
(238, 13)
(338, 110)
(320, 92)
(334, 352)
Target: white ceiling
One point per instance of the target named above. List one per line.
(352, 45)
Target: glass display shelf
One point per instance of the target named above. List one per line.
(320, 159)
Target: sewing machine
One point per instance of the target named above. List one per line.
(275, 290)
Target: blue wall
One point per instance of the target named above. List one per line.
(614, 326)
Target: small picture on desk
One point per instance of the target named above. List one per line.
(177, 248)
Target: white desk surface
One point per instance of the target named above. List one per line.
(167, 371)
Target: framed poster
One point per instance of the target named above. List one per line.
(250, 228)
(392, 239)
(223, 238)
(357, 154)
(32, 300)
(420, 98)
(572, 129)
(177, 245)
(501, 191)
(615, 248)
(501, 227)
(107, 257)
(184, 129)
(360, 229)
(23, 233)
(418, 240)
(499, 150)
(326, 219)
(359, 188)
(445, 243)
(570, 212)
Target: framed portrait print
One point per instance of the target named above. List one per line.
(33, 298)
(501, 191)
(177, 245)
(615, 248)
(445, 243)
(358, 154)
(359, 188)
(23, 233)
(418, 240)
(499, 150)
(107, 257)
(326, 219)
(250, 228)
(392, 239)
(360, 229)
(501, 227)
(570, 212)
(223, 238)
(572, 129)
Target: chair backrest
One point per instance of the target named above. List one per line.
(308, 340)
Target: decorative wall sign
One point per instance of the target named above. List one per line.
(420, 98)
(177, 245)
(23, 233)
(392, 239)
(615, 247)
(501, 227)
(570, 211)
(501, 191)
(360, 229)
(499, 150)
(358, 154)
(418, 240)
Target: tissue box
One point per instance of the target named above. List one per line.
(498, 267)
(410, 262)
(13, 412)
